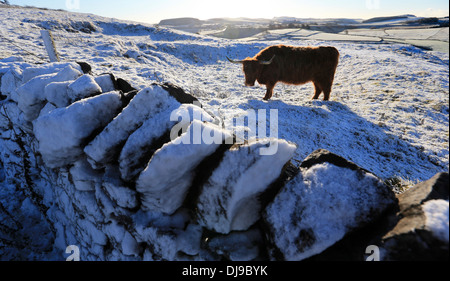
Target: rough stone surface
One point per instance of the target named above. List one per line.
(401, 233)
(322, 204)
(410, 239)
(229, 200)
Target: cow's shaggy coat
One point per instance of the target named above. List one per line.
(292, 65)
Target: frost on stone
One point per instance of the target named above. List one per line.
(238, 246)
(164, 183)
(153, 133)
(122, 195)
(84, 177)
(56, 93)
(10, 81)
(47, 109)
(129, 245)
(147, 103)
(229, 199)
(189, 241)
(437, 215)
(105, 82)
(9, 114)
(83, 87)
(61, 133)
(31, 95)
(161, 233)
(31, 72)
(91, 232)
(321, 205)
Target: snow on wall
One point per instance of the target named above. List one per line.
(84, 162)
(83, 87)
(105, 82)
(32, 94)
(10, 81)
(61, 132)
(56, 93)
(437, 218)
(321, 205)
(146, 103)
(229, 199)
(169, 174)
(34, 71)
(132, 160)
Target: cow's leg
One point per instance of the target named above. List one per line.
(269, 91)
(318, 91)
(326, 92)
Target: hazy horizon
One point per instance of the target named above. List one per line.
(154, 11)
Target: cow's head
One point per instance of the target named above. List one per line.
(252, 68)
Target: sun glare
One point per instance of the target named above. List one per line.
(233, 9)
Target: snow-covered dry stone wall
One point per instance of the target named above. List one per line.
(116, 175)
(123, 175)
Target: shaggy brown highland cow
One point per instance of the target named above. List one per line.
(292, 65)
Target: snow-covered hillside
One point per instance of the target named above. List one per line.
(388, 112)
(389, 102)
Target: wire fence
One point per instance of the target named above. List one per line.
(62, 41)
(17, 45)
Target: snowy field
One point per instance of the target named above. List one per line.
(388, 111)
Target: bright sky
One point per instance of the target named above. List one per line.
(152, 11)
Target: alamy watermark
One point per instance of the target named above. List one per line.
(373, 252)
(245, 127)
(373, 4)
(74, 252)
(73, 4)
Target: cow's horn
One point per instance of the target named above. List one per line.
(235, 61)
(267, 61)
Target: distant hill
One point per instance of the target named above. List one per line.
(316, 20)
(381, 19)
(185, 21)
(241, 20)
(181, 21)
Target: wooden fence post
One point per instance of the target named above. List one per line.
(50, 45)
